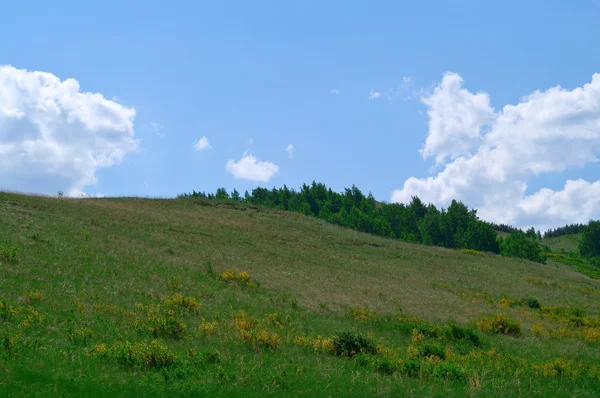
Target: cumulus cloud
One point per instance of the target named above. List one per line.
(290, 150)
(202, 144)
(456, 118)
(252, 169)
(489, 157)
(55, 137)
(334, 91)
(374, 95)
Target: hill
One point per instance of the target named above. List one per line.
(148, 297)
(564, 243)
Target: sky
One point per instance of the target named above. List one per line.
(496, 104)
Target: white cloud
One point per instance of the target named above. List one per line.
(489, 157)
(456, 118)
(374, 95)
(55, 137)
(81, 194)
(202, 144)
(290, 150)
(334, 91)
(250, 168)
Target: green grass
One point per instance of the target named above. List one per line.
(563, 243)
(125, 297)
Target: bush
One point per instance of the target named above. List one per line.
(361, 314)
(136, 355)
(9, 253)
(206, 357)
(455, 332)
(448, 371)
(517, 244)
(381, 364)
(595, 261)
(426, 350)
(80, 336)
(531, 303)
(499, 323)
(410, 368)
(261, 339)
(349, 344)
(166, 327)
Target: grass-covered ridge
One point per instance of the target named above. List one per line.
(455, 227)
(139, 297)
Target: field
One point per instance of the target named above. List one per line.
(149, 297)
(564, 243)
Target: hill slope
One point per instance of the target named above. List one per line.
(127, 296)
(564, 243)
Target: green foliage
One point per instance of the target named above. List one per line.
(448, 371)
(456, 332)
(221, 194)
(531, 303)
(137, 355)
(500, 324)
(167, 327)
(9, 253)
(80, 336)
(349, 344)
(480, 236)
(566, 230)
(589, 245)
(517, 244)
(427, 350)
(455, 227)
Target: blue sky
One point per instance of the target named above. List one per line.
(255, 77)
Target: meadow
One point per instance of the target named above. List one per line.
(194, 297)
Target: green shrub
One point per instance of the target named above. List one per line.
(500, 324)
(455, 332)
(80, 336)
(448, 371)
(427, 350)
(9, 253)
(136, 355)
(410, 368)
(167, 327)
(517, 244)
(212, 356)
(207, 357)
(6, 311)
(531, 303)
(349, 344)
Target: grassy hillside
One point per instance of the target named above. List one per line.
(564, 243)
(131, 297)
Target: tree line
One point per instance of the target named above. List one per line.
(566, 230)
(456, 227)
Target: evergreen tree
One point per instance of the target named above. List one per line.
(221, 194)
(589, 245)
